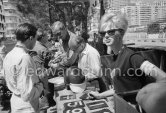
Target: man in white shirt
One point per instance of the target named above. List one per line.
(89, 58)
(20, 72)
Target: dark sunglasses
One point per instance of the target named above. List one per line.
(109, 32)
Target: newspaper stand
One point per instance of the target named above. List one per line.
(69, 102)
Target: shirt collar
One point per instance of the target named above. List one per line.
(22, 47)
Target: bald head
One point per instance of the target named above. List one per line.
(57, 25)
(114, 20)
(59, 31)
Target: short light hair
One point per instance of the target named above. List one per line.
(117, 19)
(57, 25)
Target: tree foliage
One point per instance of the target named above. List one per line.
(35, 11)
(44, 12)
(72, 14)
(153, 28)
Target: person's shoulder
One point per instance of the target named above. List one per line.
(136, 56)
(91, 49)
(9, 54)
(129, 50)
(27, 60)
(39, 47)
(132, 52)
(26, 57)
(126, 52)
(71, 34)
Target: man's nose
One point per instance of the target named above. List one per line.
(106, 36)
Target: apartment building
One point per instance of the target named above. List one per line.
(144, 14)
(13, 18)
(2, 19)
(138, 13)
(115, 5)
(132, 14)
(93, 18)
(159, 10)
(94, 14)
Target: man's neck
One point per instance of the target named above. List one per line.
(117, 49)
(67, 38)
(22, 45)
(65, 46)
(65, 42)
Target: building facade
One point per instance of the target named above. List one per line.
(132, 15)
(144, 13)
(141, 13)
(159, 10)
(115, 5)
(13, 18)
(2, 19)
(93, 18)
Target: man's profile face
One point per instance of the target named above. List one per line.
(49, 36)
(32, 42)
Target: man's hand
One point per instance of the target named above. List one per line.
(95, 95)
(54, 65)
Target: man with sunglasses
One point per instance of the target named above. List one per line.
(130, 68)
(88, 57)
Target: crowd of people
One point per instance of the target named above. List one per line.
(23, 66)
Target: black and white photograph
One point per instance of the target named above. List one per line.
(82, 56)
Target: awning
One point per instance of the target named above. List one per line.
(70, 1)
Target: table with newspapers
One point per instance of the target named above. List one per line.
(69, 102)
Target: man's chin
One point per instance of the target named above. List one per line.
(108, 44)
